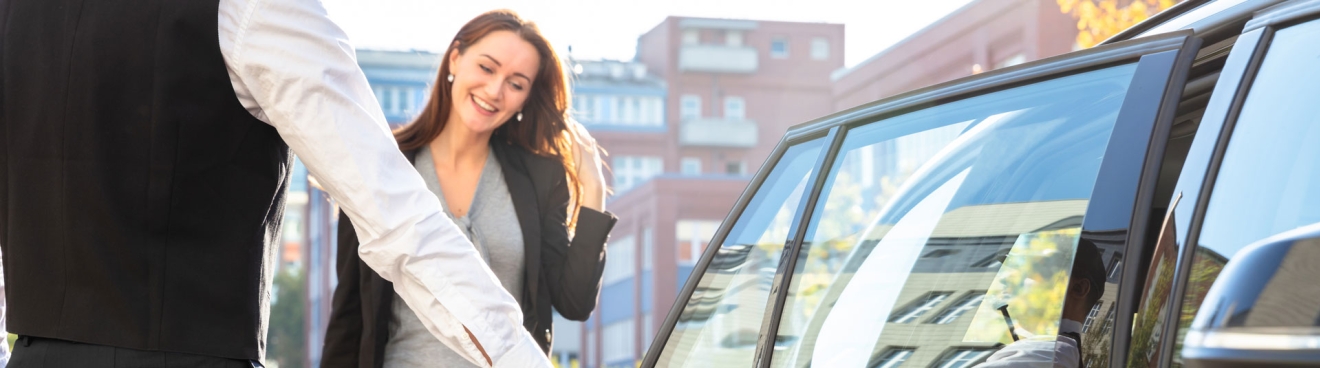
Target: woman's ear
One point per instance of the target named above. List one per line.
(453, 56)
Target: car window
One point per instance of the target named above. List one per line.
(720, 322)
(1268, 178)
(931, 221)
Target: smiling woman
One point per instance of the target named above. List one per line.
(494, 144)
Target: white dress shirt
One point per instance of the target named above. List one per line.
(293, 68)
(1042, 351)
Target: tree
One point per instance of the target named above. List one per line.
(287, 341)
(1100, 19)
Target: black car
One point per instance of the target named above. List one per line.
(1092, 198)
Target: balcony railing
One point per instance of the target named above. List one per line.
(717, 59)
(718, 132)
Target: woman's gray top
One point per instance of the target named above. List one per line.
(492, 226)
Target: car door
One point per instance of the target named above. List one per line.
(1252, 172)
(910, 230)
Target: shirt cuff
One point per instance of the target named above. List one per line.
(593, 227)
(524, 354)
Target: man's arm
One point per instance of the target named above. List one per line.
(294, 69)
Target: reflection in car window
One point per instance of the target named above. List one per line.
(720, 323)
(1268, 179)
(987, 214)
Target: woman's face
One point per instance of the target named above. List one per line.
(492, 80)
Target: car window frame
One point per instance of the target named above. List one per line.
(1198, 177)
(1162, 62)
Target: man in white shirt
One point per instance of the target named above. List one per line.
(1085, 287)
(146, 147)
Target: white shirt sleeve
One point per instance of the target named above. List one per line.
(293, 68)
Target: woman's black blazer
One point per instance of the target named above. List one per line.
(558, 272)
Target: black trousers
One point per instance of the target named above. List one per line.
(36, 352)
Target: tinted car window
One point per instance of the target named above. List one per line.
(1267, 183)
(720, 322)
(932, 220)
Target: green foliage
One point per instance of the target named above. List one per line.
(288, 341)
(1033, 281)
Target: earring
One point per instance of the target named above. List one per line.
(451, 78)
(519, 117)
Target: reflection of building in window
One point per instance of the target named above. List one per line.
(892, 358)
(939, 253)
(968, 302)
(631, 171)
(963, 358)
(1091, 316)
(1109, 320)
(622, 249)
(1115, 264)
(919, 307)
(993, 261)
(692, 236)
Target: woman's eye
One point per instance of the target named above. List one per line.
(516, 86)
(484, 68)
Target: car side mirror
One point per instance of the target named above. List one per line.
(1264, 308)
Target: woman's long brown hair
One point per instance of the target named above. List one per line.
(544, 128)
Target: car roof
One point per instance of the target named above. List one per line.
(1212, 19)
(1201, 16)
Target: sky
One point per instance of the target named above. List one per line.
(608, 29)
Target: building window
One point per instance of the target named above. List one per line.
(733, 38)
(648, 249)
(622, 251)
(919, 307)
(607, 110)
(892, 358)
(691, 166)
(735, 108)
(396, 100)
(962, 358)
(631, 171)
(779, 48)
(734, 168)
(657, 110)
(968, 303)
(689, 107)
(628, 114)
(618, 342)
(820, 48)
(588, 352)
(692, 236)
(1011, 61)
(581, 112)
(648, 330)
(691, 37)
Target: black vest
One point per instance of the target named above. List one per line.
(140, 204)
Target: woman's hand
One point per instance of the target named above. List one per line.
(589, 166)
